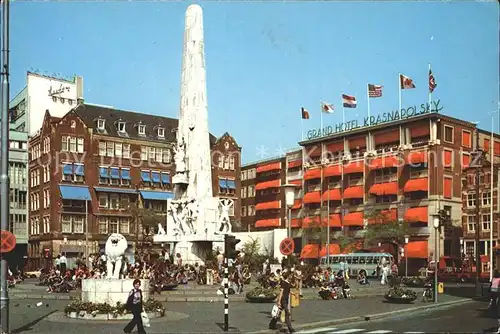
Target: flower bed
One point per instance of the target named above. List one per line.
(104, 311)
(400, 295)
(261, 295)
(413, 282)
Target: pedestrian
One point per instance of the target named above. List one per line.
(57, 262)
(283, 302)
(134, 305)
(494, 296)
(63, 263)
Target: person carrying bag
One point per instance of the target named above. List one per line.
(134, 305)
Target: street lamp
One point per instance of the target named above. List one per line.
(289, 201)
(436, 222)
(407, 239)
(461, 248)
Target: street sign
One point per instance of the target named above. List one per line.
(8, 241)
(287, 246)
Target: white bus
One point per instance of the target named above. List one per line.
(357, 262)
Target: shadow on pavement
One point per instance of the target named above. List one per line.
(34, 322)
(466, 291)
(231, 329)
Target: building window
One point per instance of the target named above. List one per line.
(243, 211)
(161, 132)
(124, 201)
(486, 222)
(103, 225)
(72, 144)
(469, 248)
(114, 203)
(121, 127)
(64, 143)
(125, 176)
(125, 225)
(243, 175)
(46, 224)
(113, 225)
(221, 161)
(486, 198)
(46, 198)
(231, 163)
(448, 134)
(167, 156)
(226, 163)
(66, 224)
(78, 224)
(144, 153)
(251, 210)
(118, 149)
(46, 174)
(102, 148)
(251, 191)
(103, 200)
(100, 124)
(79, 148)
(466, 138)
(151, 153)
(142, 130)
(471, 223)
(126, 151)
(243, 192)
(159, 155)
(471, 200)
(110, 149)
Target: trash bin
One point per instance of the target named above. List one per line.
(440, 287)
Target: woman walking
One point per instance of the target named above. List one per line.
(134, 304)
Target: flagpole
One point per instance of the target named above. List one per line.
(302, 126)
(399, 87)
(430, 93)
(368, 98)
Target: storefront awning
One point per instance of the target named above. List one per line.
(418, 214)
(421, 184)
(297, 204)
(416, 158)
(417, 250)
(295, 163)
(77, 193)
(115, 190)
(268, 184)
(312, 174)
(384, 162)
(334, 220)
(354, 167)
(269, 167)
(156, 195)
(353, 192)
(296, 182)
(296, 222)
(333, 170)
(312, 197)
(388, 188)
(354, 219)
(331, 195)
(311, 222)
(275, 222)
(333, 250)
(268, 205)
(310, 251)
(385, 216)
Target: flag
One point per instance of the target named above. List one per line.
(375, 90)
(348, 101)
(305, 113)
(406, 82)
(432, 81)
(327, 108)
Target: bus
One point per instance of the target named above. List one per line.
(357, 262)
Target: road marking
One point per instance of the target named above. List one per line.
(378, 332)
(414, 333)
(346, 331)
(317, 330)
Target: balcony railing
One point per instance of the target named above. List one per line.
(425, 230)
(356, 182)
(386, 178)
(314, 187)
(294, 175)
(418, 174)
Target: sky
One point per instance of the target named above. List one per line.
(267, 60)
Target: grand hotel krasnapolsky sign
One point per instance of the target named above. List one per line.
(387, 117)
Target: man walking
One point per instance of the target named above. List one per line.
(283, 303)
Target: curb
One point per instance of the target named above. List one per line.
(375, 316)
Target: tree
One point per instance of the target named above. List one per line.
(385, 229)
(344, 241)
(144, 219)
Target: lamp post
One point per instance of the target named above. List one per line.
(407, 239)
(289, 200)
(436, 222)
(461, 248)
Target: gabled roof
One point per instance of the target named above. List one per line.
(91, 113)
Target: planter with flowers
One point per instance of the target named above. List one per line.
(91, 311)
(261, 295)
(399, 295)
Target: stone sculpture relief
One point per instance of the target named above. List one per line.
(180, 156)
(224, 220)
(115, 248)
(184, 214)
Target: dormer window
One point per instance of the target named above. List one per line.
(142, 130)
(121, 126)
(100, 124)
(161, 132)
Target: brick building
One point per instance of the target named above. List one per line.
(98, 167)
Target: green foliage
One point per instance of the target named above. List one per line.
(385, 229)
(344, 241)
(262, 293)
(251, 248)
(398, 292)
(150, 305)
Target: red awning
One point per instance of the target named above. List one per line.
(296, 222)
(332, 170)
(269, 167)
(311, 222)
(354, 219)
(418, 214)
(297, 204)
(334, 220)
(354, 167)
(357, 245)
(310, 251)
(332, 195)
(312, 197)
(296, 182)
(268, 184)
(390, 215)
(415, 158)
(412, 185)
(353, 192)
(268, 205)
(384, 162)
(416, 250)
(275, 222)
(311, 174)
(295, 163)
(389, 188)
(333, 250)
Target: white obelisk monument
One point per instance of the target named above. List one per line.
(194, 215)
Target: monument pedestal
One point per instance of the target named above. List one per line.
(111, 291)
(193, 252)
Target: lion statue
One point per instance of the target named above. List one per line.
(115, 249)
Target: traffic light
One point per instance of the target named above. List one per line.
(444, 218)
(230, 243)
(46, 253)
(402, 252)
